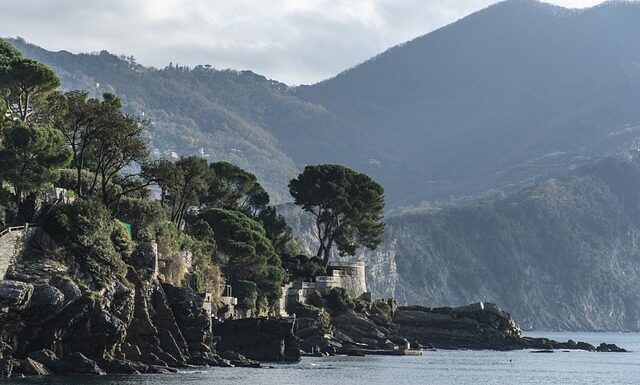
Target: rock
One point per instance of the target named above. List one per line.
(73, 363)
(46, 302)
(237, 359)
(610, 348)
(30, 367)
(15, 295)
(68, 288)
(6, 367)
(259, 339)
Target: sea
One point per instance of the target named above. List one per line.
(443, 367)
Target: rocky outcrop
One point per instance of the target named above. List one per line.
(52, 322)
(259, 339)
(382, 328)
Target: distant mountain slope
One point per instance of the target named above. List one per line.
(559, 255)
(515, 91)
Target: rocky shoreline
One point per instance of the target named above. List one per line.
(53, 322)
(383, 326)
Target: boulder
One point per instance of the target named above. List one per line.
(30, 367)
(610, 348)
(15, 295)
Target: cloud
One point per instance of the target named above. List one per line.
(289, 40)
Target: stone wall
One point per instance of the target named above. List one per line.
(11, 245)
(346, 275)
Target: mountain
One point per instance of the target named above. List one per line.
(561, 254)
(516, 91)
(508, 95)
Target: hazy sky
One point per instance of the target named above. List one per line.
(294, 41)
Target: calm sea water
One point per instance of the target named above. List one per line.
(437, 367)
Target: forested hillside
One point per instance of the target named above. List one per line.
(510, 94)
(215, 114)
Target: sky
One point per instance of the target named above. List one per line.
(293, 41)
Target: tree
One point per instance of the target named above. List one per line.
(77, 118)
(276, 228)
(22, 82)
(184, 183)
(119, 143)
(32, 157)
(347, 206)
(251, 256)
(236, 189)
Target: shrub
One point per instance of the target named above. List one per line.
(85, 229)
(338, 300)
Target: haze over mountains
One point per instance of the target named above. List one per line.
(512, 104)
(517, 91)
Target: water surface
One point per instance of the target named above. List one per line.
(435, 367)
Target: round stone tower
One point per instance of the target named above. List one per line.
(350, 275)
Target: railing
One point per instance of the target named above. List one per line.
(16, 228)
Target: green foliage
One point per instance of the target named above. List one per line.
(24, 83)
(8, 52)
(31, 157)
(347, 206)
(276, 229)
(250, 254)
(122, 239)
(338, 300)
(85, 229)
(236, 189)
(247, 294)
(144, 215)
(198, 282)
(183, 184)
(302, 267)
(103, 141)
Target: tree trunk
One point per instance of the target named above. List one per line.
(327, 252)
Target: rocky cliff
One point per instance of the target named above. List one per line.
(52, 320)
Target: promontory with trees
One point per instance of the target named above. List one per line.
(112, 277)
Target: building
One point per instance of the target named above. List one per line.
(229, 302)
(349, 276)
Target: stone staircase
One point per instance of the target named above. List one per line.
(11, 243)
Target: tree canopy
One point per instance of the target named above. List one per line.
(22, 82)
(32, 157)
(236, 189)
(251, 256)
(347, 206)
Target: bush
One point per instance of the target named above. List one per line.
(302, 267)
(85, 229)
(144, 216)
(338, 300)
(122, 239)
